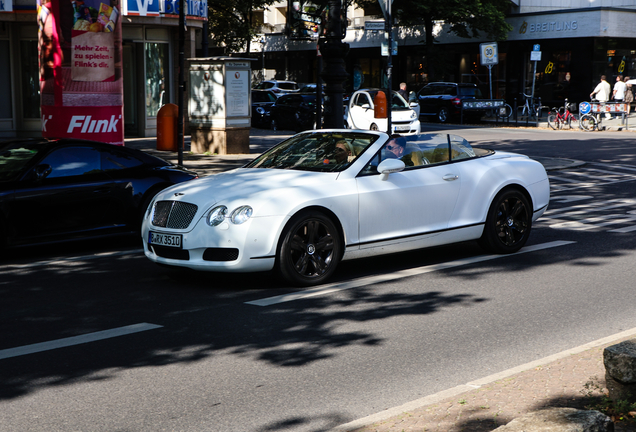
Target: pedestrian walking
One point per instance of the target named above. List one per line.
(629, 95)
(602, 92)
(402, 91)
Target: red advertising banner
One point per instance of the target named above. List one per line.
(81, 86)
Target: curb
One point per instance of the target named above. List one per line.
(478, 383)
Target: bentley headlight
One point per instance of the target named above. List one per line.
(241, 215)
(217, 215)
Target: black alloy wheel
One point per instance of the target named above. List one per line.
(310, 250)
(508, 223)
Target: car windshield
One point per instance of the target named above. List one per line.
(316, 151)
(397, 101)
(17, 155)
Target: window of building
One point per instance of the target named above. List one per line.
(30, 78)
(157, 77)
(5, 80)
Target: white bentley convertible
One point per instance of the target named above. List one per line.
(329, 195)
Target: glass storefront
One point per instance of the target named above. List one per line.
(5, 80)
(30, 75)
(157, 79)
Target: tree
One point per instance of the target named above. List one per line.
(465, 18)
(231, 23)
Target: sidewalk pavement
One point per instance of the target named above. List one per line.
(568, 379)
(260, 140)
(479, 406)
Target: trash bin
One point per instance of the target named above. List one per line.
(167, 127)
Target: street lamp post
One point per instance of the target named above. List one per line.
(262, 41)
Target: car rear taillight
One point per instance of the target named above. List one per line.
(456, 101)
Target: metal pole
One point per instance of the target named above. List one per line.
(181, 82)
(534, 77)
(490, 78)
(389, 68)
(319, 89)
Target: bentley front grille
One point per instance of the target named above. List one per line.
(173, 214)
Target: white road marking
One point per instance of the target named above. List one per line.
(364, 281)
(76, 340)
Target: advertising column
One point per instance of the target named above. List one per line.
(81, 87)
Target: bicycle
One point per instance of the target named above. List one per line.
(591, 122)
(531, 110)
(561, 116)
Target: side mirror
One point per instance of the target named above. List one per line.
(366, 106)
(41, 171)
(414, 104)
(389, 166)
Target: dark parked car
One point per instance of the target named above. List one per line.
(262, 101)
(278, 87)
(444, 100)
(62, 190)
(295, 112)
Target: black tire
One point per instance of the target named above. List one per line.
(573, 122)
(273, 125)
(374, 127)
(310, 249)
(442, 115)
(508, 223)
(587, 122)
(553, 122)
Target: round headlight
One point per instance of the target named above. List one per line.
(260, 110)
(217, 215)
(413, 114)
(241, 215)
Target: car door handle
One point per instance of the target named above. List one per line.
(450, 177)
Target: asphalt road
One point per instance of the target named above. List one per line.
(171, 351)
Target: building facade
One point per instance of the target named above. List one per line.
(579, 40)
(149, 56)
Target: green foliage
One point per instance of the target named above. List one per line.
(619, 410)
(231, 23)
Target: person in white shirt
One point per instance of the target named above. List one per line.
(602, 92)
(619, 89)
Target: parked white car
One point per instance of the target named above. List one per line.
(360, 114)
(324, 196)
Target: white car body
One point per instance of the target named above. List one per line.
(361, 114)
(403, 208)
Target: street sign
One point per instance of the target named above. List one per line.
(489, 54)
(536, 47)
(384, 48)
(375, 25)
(535, 56)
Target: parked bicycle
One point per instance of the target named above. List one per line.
(532, 109)
(591, 121)
(560, 117)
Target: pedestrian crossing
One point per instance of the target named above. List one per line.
(576, 206)
(590, 175)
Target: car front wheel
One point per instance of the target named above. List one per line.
(310, 249)
(508, 222)
(374, 127)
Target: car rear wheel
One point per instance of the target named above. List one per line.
(442, 115)
(508, 222)
(310, 249)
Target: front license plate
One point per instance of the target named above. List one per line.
(159, 239)
(402, 128)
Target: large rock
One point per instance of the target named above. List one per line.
(620, 370)
(620, 361)
(560, 420)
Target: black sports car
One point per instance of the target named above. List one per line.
(62, 190)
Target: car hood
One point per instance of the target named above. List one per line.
(249, 186)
